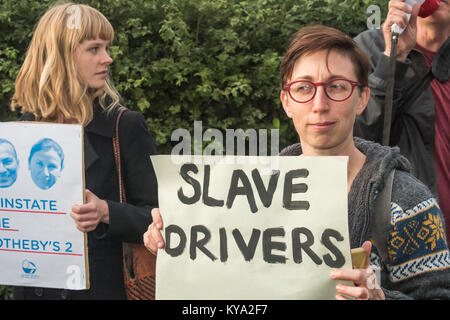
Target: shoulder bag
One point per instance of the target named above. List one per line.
(139, 264)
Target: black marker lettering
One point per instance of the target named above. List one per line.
(200, 244)
(298, 246)
(266, 196)
(340, 259)
(246, 189)
(207, 200)
(223, 245)
(269, 245)
(290, 188)
(178, 250)
(248, 251)
(185, 168)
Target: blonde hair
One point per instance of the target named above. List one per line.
(48, 84)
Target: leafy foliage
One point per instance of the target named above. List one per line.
(5, 293)
(181, 60)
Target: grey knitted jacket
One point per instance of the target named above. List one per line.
(418, 265)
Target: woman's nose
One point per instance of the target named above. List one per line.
(106, 59)
(320, 101)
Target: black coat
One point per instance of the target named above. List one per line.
(128, 221)
(412, 127)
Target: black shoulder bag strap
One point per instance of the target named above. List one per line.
(382, 218)
(389, 99)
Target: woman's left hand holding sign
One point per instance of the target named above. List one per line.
(153, 239)
(87, 216)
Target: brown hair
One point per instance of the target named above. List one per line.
(316, 38)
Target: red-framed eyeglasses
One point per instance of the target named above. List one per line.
(303, 91)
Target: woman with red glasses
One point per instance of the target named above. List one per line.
(324, 86)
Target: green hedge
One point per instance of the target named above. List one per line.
(183, 60)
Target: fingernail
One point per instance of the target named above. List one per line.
(160, 244)
(333, 274)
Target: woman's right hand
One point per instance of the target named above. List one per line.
(153, 239)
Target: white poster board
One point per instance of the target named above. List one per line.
(251, 227)
(41, 178)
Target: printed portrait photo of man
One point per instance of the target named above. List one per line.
(8, 164)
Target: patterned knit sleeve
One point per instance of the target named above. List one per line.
(418, 264)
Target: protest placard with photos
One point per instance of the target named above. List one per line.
(251, 227)
(41, 178)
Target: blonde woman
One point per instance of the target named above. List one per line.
(64, 79)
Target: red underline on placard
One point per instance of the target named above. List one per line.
(9, 229)
(59, 253)
(25, 211)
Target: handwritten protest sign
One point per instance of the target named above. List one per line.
(41, 177)
(258, 228)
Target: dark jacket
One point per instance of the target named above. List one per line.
(418, 265)
(413, 125)
(128, 221)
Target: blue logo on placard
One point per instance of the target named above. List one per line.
(28, 267)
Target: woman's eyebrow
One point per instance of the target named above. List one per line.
(309, 78)
(99, 44)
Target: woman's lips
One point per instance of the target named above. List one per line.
(321, 126)
(103, 74)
